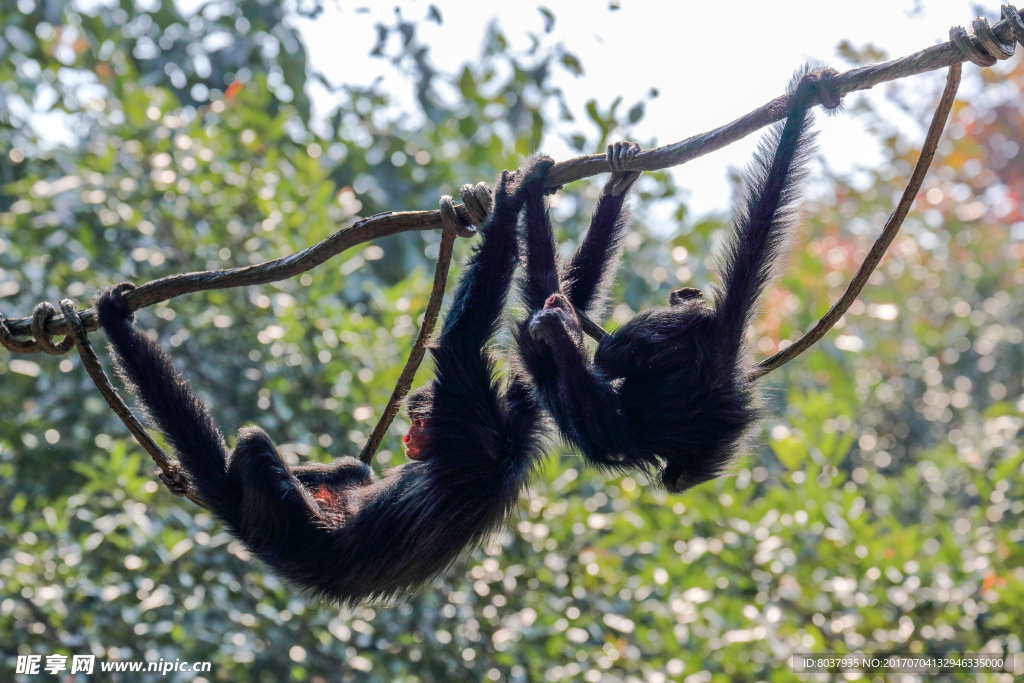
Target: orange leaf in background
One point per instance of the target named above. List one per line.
(232, 90)
(991, 581)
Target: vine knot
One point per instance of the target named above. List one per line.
(985, 48)
(477, 200)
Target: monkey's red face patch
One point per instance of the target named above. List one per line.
(415, 439)
(327, 498)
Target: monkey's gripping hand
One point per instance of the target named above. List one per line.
(515, 186)
(556, 322)
(619, 155)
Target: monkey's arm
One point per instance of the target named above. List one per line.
(466, 416)
(588, 276)
(585, 405)
(480, 296)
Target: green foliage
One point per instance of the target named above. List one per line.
(882, 513)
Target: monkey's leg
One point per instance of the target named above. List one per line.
(541, 262)
(590, 414)
(276, 510)
(341, 473)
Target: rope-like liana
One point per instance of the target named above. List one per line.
(959, 49)
(478, 200)
(170, 472)
(12, 343)
(43, 312)
(878, 249)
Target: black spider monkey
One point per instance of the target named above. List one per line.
(335, 530)
(672, 390)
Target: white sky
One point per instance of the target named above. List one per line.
(710, 62)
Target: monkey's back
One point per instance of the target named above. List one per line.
(688, 400)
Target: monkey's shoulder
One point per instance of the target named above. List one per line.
(666, 324)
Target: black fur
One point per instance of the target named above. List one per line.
(671, 390)
(335, 530)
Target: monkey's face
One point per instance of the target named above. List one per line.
(416, 439)
(418, 404)
(556, 322)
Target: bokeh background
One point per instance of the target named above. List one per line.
(882, 510)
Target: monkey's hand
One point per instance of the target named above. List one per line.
(110, 303)
(619, 155)
(556, 324)
(527, 179)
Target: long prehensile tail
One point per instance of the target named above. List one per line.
(765, 215)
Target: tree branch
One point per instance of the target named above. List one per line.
(391, 223)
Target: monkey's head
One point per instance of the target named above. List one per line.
(418, 404)
(678, 479)
(556, 323)
(680, 296)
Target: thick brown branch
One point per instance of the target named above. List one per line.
(878, 249)
(419, 347)
(385, 224)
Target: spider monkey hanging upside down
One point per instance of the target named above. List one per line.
(335, 530)
(672, 390)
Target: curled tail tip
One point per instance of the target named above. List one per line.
(815, 84)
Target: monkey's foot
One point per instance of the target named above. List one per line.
(532, 172)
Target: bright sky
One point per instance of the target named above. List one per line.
(711, 63)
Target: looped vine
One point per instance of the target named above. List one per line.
(985, 48)
(478, 200)
(1013, 19)
(41, 340)
(992, 44)
(12, 343)
(450, 220)
(40, 315)
(970, 49)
